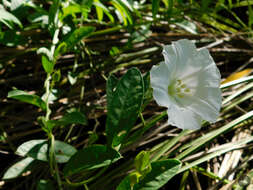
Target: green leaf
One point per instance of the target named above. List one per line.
(124, 107)
(38, 149)
(125, 184)
(57, 76)
(72, 77)
(99, 5)
(46, 52)
(53, 13)
(155, 7)
(52, 96)
(99, 10)
(28, 98)
(47, 64)
(111, 85)
(15, 4)
(92, 157)
(74, 117)
(12, 38)
(122, 7)
(73, 38)
(18, 168)
(142, 162)
(47, 125)
(188, 26)
(161, 173)
(148, 91)
(8, 19)
(45, 185)
(204, 5)
(72, 10)
(250, 11)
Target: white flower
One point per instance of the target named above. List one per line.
(187, 83)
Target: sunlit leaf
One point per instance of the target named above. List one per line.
(73, 38)
(142, 163)
(123, 10)
(72, 77)
(38, 149)
(18, 168)
(99, 10)
(188, 26)
(47, 64)
(28, 98)
(9, 19)
(103, 8)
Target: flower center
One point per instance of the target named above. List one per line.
(179, 89)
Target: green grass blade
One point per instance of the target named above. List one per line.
(208, 137)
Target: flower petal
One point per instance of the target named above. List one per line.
(159, 76)
(159, 79)
(186, 52)
(185, 49)
(194, 80)
(211, 95)
(162, 98)
(170, 56)
(210, 76)
(203, 108)
(183, 118)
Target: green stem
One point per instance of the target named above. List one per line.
(106, 31)
(53, 163)
(142, 120)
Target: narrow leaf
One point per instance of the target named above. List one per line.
(28, 98)
(8, 19)
(18, 168)
(219, 151)
(74, 37)
(99, 10)
(155, 7)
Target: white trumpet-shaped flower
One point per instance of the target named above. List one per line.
(187, 83)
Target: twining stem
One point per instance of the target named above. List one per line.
(52, 159)
(47, 87)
